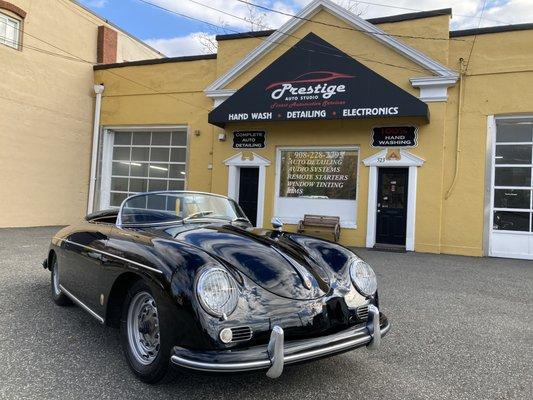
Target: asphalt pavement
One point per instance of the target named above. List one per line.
(462, 328)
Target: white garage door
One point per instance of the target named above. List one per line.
(137, 161)
(511, 233)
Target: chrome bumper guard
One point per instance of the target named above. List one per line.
(276, 356)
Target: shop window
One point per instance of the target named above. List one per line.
(142, 161)
(513, 177)
(10, 31)
(317, 181)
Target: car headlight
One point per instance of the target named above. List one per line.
(363, 277)
(217, 291)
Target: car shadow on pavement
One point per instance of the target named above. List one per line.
(72, 339)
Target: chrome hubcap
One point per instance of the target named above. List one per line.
(143, 328)
(55, 273)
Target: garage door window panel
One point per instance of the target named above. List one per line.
(146, 161)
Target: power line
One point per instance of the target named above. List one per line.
(418, 10)
(475, 36)
(86, 120)
(74, 57)
(94, 15)
(156, 91)
(349, 28)
(284, 44)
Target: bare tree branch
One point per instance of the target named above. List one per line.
(256, 20)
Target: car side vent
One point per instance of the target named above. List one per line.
(241, 333)
(362, 312)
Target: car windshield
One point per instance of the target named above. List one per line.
(167, 207)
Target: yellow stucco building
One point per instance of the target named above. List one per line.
(47, 52)
(415, 136)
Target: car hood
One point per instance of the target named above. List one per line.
(282, 267)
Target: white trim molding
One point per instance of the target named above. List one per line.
(98, 90)
(433, 88)
(219, 94)
(234, 164)
(379, 160)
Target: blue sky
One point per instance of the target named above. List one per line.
(175, 35)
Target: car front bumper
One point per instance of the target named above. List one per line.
(276, 354)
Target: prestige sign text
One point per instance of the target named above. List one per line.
(316, 81)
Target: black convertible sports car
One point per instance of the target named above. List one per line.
(191, 283)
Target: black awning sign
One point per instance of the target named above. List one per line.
(394, 136)
(314, 80)
(249, 139)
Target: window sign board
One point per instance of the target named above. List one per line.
(249, 139)
(314, 80)
(319, 174)
(394, 136)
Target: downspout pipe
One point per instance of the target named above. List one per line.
(98, 89)
(458, 133)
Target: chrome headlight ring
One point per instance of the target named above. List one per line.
(217, 291)
(363, 277)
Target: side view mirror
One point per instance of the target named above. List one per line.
(277, 224)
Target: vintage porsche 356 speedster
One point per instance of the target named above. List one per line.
(191, 283)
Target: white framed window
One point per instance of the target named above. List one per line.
(317, 180)
(142, 160)
(9, 31)
(511, 215)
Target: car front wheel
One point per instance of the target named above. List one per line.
(147, 344)
(57, 295)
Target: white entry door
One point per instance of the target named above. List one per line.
(511, 220)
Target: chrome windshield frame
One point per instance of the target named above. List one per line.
(119, 223)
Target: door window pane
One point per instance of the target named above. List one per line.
(160, 138)
(179, 138)
(117, 199)
(178, 155)
(176, 185)
(159, 154)
(121, 153)
(123, 138)
(514, 132)
(119, 184)
(157, 184)
(513, 154)
(511, 221)
(138, 169)
(512, 198)
(513, 176)
(177, 171)
(141, 138)
(138, 185)
(121, 168)
(158, 170)
(140, 153)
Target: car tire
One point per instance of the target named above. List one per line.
(143, 321)
(57, 295)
